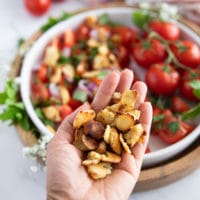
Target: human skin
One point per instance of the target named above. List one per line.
(67, 179)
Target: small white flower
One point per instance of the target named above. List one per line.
(33, 168)
(145, 5)
(17, 80)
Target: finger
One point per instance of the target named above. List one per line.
(105, 91)
(65, 130)
(145, 119)
(125, 81)
(141, 88)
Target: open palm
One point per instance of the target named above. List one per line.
(66, 176)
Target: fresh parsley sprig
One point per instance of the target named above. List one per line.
(14, 110)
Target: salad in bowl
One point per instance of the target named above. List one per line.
(66, 65)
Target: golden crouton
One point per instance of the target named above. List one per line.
(83, 117)
(51, 56)
(83, 142)
(124, 144)
(124, 122)
(134, 134)
(114, 141)
(100, 170)
(52, 113)
(110, 157)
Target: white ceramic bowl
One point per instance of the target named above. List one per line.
(161, 151)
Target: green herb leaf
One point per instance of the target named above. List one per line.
(93, 53)
(195, 84)
(102, 74)
(20, 41)
(146, 45)
(141, 18)
(53, 21)
(9, 93)
(158, 118)
(173, 126)
(191, 114)
(42, 117)
(104, 19)
(80, 95)
(63, 60)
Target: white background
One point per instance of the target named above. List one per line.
(16, 179)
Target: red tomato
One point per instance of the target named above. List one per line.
(65, 110)
(82, 32)
(127, 36)
(69, 38)
(123, 56)
(187, 52)
(179, 105)
(56, 42)
(148, 150)
(167, 30)
(162, 79)
(39, 92)
(42, 73)
(74, 104)
(173, 129)
(37, 7)
(185, 88)
(147, 53)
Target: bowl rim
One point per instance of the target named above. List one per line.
(59, 28)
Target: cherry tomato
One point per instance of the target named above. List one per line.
(162, 79)
(42, 73)
(167, 30)
(187, 52)
(127, 36)
(186, 90)
(37, 7)
(39, 93)
(122, 54)
(147, 53)
(65, 110)
(69, 38)
(173, 129)
(57, 42)
(74, 104)
(179, 105)
(148, 150)
(82, 32)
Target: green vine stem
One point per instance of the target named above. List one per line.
(171, 56)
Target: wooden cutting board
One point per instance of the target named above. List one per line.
(153, 177)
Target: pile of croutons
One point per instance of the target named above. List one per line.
(103, 136)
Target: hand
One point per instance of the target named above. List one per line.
(66, 176)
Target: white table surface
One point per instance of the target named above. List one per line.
(16, 179)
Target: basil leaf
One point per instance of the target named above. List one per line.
(80, 95)
(141, 18)
(195, 84)
(192, 113)
(158, 118)
(173, 126)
